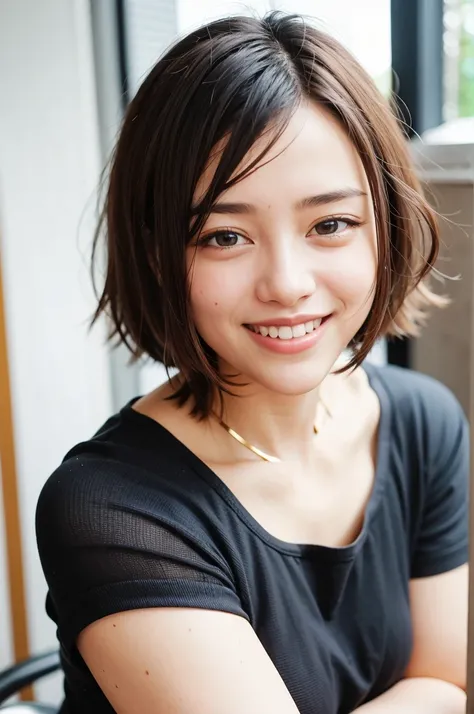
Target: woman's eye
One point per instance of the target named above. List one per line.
(332, 226)
(223, 239)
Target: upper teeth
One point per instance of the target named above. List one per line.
(286, 332)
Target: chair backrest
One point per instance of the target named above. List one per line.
(20, 675)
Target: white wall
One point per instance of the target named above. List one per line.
(49, 166)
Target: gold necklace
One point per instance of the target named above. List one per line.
(254, 449)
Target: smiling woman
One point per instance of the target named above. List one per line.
(308, 241)
(281, 527)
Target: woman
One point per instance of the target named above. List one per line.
(269, 531)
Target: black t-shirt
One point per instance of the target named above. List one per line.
(132, 519)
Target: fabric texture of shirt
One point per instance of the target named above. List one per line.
(133, 519)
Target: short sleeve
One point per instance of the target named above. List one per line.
(109, 543)
(442, 539)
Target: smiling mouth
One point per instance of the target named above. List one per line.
(287, 332)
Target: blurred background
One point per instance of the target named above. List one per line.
(67, 70)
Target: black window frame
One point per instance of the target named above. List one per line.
(418, 67)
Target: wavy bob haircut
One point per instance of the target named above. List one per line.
(227, 84)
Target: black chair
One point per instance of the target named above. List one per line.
(15, 678)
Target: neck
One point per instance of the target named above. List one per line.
(280, 425)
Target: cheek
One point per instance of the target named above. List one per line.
(351, 279)
(214, 293)
(355, 270)
(353, 282)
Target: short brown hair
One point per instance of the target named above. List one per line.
(234, 78)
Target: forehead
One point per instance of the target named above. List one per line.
(313, 153)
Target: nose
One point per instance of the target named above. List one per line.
(286, 275)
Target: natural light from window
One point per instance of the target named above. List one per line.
(363, 27)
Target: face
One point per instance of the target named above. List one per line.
(283, 273)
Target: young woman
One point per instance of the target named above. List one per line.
(272, 530)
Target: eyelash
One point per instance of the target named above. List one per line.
(204, 241)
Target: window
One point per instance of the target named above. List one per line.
(192, 14)
(365, 32)
(458, 45)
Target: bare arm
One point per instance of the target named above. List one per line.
(417, 696)
(183, 661)
(436, 674)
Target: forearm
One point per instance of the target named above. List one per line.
(418, 696)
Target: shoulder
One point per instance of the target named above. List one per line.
(131, 470)
(416, 394)
(408, 387)
(426, 418)
(125, 522)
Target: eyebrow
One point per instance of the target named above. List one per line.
(321, 199)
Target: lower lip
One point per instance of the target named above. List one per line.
(293, 346)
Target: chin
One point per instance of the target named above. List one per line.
(297, 383)
(289, 375)
(291, 379)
